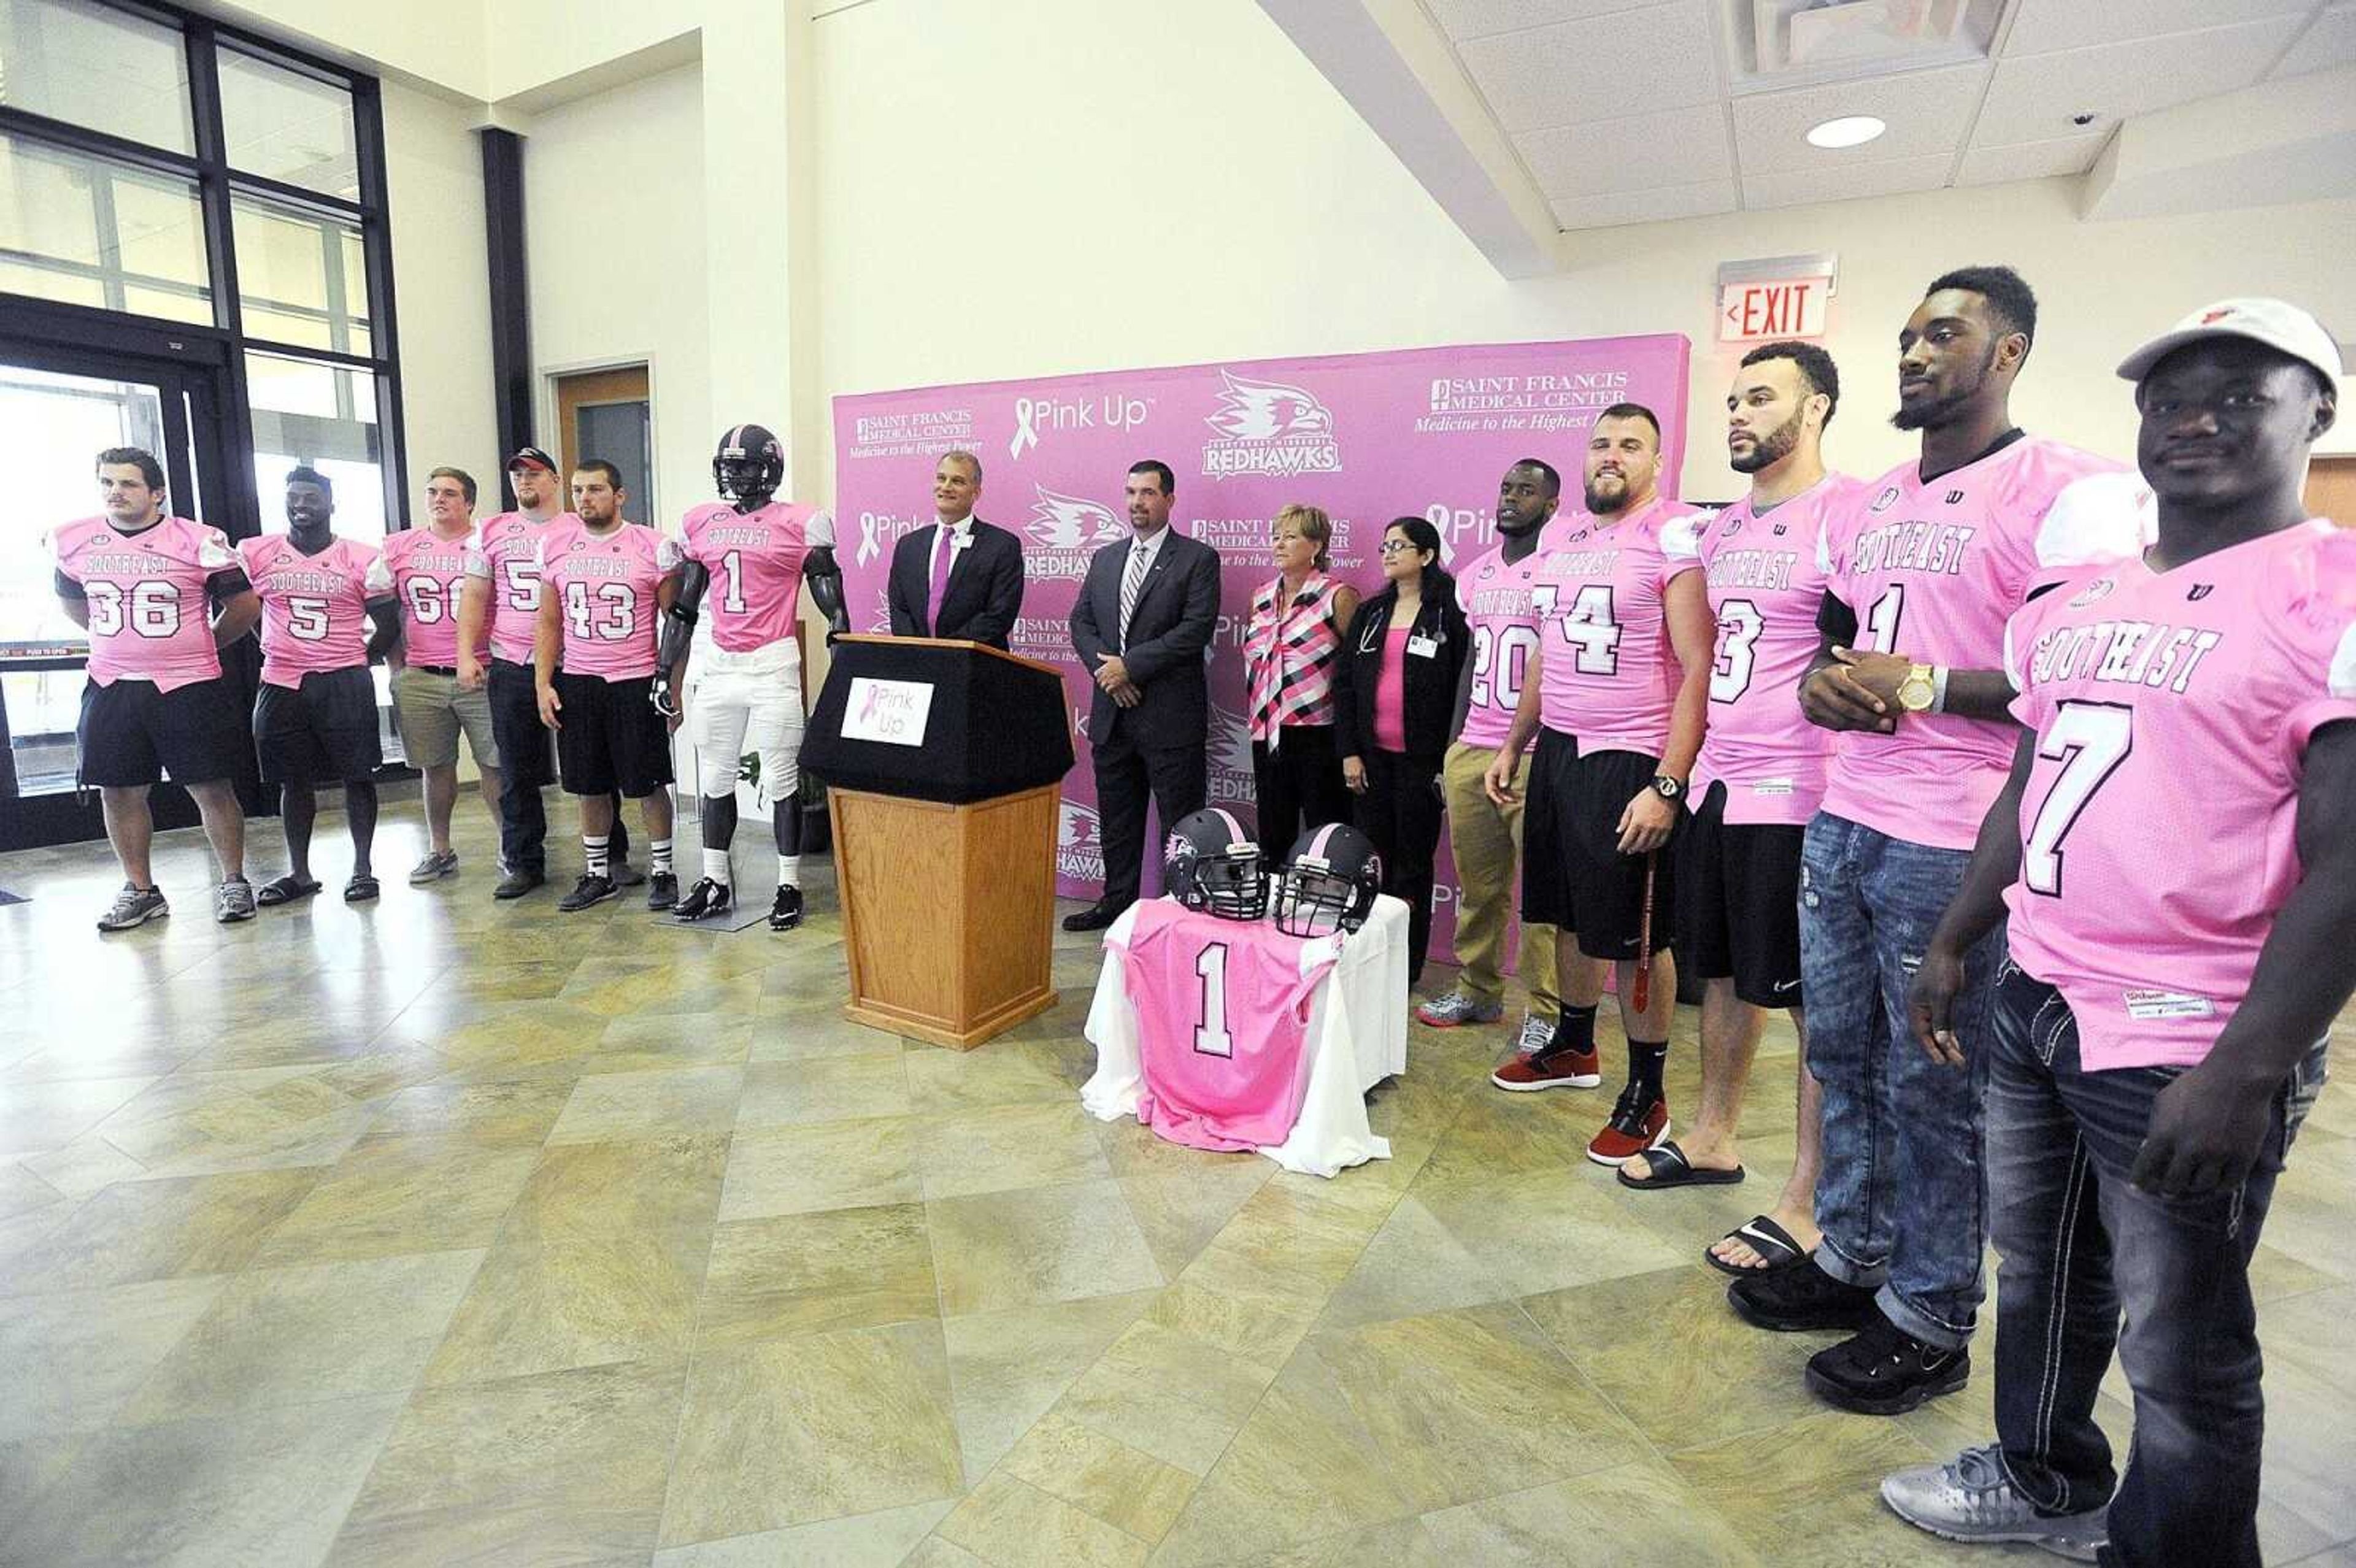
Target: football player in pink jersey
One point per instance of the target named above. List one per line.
(753, 552)
(605, 583)
(1758, 781)
(160, 597)
(428, 566)
(1919, 576)
(2175, 846)
(327, 614)
(1617, 686)
(1484, 836)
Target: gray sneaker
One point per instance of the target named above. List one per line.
(1453, 1008)
(1538, 1033)
(1972, 1498)
(433, 868)
(134, 906)
(233, 901)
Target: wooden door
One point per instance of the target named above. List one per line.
(2332, 490)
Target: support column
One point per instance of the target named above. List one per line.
(512, 388)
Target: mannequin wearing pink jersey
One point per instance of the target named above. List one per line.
(749, 468)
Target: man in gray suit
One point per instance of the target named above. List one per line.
(1143, 620)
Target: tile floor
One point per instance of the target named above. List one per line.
(445, 1231)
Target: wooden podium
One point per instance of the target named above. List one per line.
(944, 762)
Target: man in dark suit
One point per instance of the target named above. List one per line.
(1141, 623)
(961, 577)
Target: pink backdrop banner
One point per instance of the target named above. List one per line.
(1368, 437)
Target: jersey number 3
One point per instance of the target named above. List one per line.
(1211, 1036)
(2090, 740)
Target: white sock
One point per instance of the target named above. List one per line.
(592, 851)
(789, 870)
(715, 865)
(658, 857)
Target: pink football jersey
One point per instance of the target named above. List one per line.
(2172, 711)
(427, 572)
(1607, 675)
(149, 616)
(605, 585)
(1932, 568)
(756, 562)
(314, 607)
(506, 554)
(1765, 585)
(1495, 595)
(1222, 1017)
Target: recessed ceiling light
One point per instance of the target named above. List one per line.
(1849, 131)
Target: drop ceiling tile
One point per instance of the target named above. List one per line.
(1927, 111)
(2042, 27)
(2032, 160)
(1600, 68)
(1642, 152)
(2033, 99)
(1887, 177)
(2329, 42)
(1464, 19)
(1613, 208)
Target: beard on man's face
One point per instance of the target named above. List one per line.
(1766, 451)
(1943, 408)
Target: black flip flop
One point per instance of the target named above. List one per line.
(1763, 1236)
(360, 889)
(284, 890)
(1672, 1168)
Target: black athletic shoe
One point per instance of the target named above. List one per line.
(1881, 1369)
(589, 889)
(1096, 917)
(662, 891)
(1800, 1298)
(706, 900)
(515, 884)
(787, 912)
(626, 875)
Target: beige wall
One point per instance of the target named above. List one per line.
(1141, 184)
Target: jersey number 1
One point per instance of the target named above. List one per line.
(1211, 1036)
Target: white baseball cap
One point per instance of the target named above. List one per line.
(2278, 324)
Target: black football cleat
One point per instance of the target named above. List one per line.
(787, 912)
(706, 900)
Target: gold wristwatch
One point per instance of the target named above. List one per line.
(1919, 689)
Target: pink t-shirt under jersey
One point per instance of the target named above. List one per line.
(1505, 625)
(427, 571)
(1765, 586)
(1932, 568)
(1390, 691)
(604, 584)
(1607, 675)
(2172, 712)
(150, 618)
(1222, 1017)
(314, 607)
(506, 554)
(756, 562)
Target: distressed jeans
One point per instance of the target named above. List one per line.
(1900, 1201)
(2079, 1246)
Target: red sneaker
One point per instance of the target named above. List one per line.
(1638, 1123)
(1549, 1070)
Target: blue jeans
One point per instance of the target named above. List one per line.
(1900, 1201)
(2080, 1245)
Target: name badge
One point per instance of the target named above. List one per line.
(960, 541)
(1423, 647)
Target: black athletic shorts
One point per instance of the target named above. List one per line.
(1573, 876)
(322, 731)
(1738, 902)
(610, 740)
(132, 734)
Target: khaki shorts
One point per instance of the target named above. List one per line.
(432, 709)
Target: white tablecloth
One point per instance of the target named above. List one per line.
(1356, 1037)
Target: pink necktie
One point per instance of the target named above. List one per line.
(944, 552)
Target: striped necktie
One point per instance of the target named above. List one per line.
(1132, 583)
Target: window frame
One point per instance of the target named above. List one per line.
(204, 40)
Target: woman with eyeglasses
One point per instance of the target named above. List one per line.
(1290, 647)
(1394, 695)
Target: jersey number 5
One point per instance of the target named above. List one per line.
(1211, 1036)
(2090, 740)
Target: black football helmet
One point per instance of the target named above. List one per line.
(1330, 883)
(1213, 862)
(750, 462)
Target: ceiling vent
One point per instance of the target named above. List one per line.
(1788, 43)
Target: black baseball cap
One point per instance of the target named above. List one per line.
(530, 457)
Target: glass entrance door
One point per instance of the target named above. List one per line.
(59, 409)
